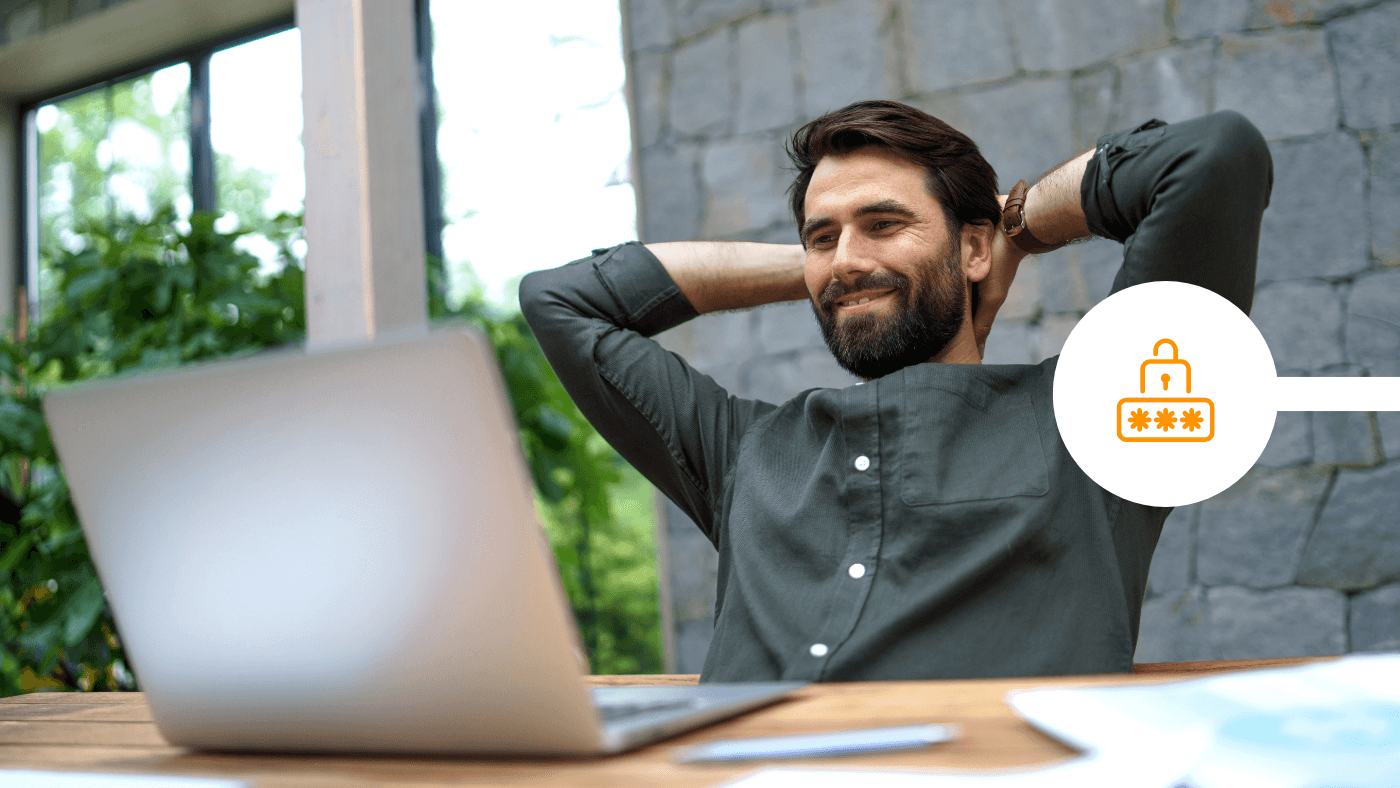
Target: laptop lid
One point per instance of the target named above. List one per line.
(328, 551)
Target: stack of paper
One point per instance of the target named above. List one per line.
(1317, 726)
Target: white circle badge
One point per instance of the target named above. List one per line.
(1164, 394)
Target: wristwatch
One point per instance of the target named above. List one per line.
(1013, 221)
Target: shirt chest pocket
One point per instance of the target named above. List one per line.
(970, 445)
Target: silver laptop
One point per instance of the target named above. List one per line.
(339, 550)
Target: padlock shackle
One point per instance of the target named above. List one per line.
(1175, 359)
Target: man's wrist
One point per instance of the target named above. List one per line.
(1052, 206)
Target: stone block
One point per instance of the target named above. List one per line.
(1098, 262)
(1196, 18)
(1375, 620)
(1010, 342)
(57, 12)
(84, 7)
(844, 54)
(1367, 49)
(713, 342)
(1171, 562)
(1050, 335)
(649, 70)
(1075, 278)
(1388, 422)
(767, 86)
(1270, 13)
(1172, 85)
(670, 193)
(1095, 97)
(694, 563)
(701, 100)
(744, 184)
(1345, 438)
(948, 43)
(1059, 35)
(650, 23)
(1372, 331)
(1023, 128)
(1301, 322)
(1252, 534)
(1356, 543)
(697, 16)
(787, 326)
(1285, 622)
(693, 645)
(1282, 81)
(777, 378)
(1174, 628)
(1385, 197)
(1311, 226)
(25, 21)
(1291, 442)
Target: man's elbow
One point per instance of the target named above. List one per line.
(534, 295)
(1235, 151)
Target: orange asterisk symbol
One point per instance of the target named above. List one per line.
(1191, 420)
(1138, 419)
(1165, 419)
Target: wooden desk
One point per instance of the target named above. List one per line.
(113, 732)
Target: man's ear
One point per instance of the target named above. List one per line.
(977, 250)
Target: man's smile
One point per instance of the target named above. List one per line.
(857, 303)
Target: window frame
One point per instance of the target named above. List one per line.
(203, 170)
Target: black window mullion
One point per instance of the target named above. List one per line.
(203, 195)
(427, 130)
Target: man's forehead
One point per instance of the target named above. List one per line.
(863, 176)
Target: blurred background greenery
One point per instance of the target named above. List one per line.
(129, 278)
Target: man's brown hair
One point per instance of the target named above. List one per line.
(957, 175)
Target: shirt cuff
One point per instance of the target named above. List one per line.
(646, 295)
(1101, 212)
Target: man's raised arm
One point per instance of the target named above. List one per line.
(719, 275)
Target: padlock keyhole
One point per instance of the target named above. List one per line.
(1165, 378)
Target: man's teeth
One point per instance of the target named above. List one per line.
(855, 303)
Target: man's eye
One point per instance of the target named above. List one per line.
(822, 240)
(884, 224)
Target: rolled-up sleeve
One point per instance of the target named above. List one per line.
(1185, 200)
(594, 318)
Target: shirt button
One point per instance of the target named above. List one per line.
(857, 571)
(818, 649)
(862, 462)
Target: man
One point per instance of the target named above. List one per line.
(928, 522)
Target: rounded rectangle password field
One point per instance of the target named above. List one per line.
(1166, 419)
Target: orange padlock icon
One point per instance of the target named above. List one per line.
(1159, 417)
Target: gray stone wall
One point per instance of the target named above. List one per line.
(1302, 556)
(20, 19)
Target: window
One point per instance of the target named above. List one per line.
(119, 149)
(220, 131)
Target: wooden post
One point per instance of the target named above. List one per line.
(365, 269)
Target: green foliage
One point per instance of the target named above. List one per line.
(595, 507)
(148, 294)
(136, 295)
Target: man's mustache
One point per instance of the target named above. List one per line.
(880, 280)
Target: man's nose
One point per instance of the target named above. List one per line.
(852, 260)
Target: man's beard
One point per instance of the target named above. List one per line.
(924, 317)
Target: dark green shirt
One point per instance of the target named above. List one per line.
(930, 523)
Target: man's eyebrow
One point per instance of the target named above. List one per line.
(887, 206)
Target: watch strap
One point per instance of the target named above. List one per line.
(1013, 222)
